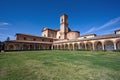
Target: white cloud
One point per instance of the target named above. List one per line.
(4, 24)
(90, 30)
(108, 24)
(3, 28)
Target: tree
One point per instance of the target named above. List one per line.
(0, 46)
(8, 38)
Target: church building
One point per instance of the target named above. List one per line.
(64, 38)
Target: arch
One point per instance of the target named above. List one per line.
(11, 47)
(54, 46)
(42, 46)
(62, 46)
(75, 46)
(66, 46)
(31, 46)
(118, 45)
(47, 46)
(82, 46)
(89, 46)
(70, 46)
(25, 47)
(98, 45)
(36, 46)
(109, 45)
(18, 47)
(58, 46)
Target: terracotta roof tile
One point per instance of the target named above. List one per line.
(23, 41)
(34, 35)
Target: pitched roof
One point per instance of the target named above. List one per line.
(45, 28)
(89, 34)
(23, 41)
(34, 35)
(117, 30)
(107, 36)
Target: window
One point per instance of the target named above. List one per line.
(51, 40)
(44, 35)
(62, 20)
(43, 40)
(24, 38)
(34, 39)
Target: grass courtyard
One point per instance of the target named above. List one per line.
(60, 65)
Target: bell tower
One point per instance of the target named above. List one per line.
(63, 26)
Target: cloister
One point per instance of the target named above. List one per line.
(104, 44)
(27, 46)
(64, 38)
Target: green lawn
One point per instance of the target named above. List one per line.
(60, 65)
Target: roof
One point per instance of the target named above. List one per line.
(45, 28)
(117, 30)
(34, 35)
(107, 36)
(74, 31)
(89, 34)
(64, 14)
(23, 41)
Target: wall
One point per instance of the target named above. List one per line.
(33, 38)
(72, 35)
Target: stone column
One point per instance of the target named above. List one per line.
(68, 46)
(60, 46)
(52, 47)
(39, 46)
(34, 47)
(103, 46)
(73, 46)
(85, 46)
(57, 46)
(63, 46)
(114, 45)
(29, 47)
(78, 45)
(93, 46)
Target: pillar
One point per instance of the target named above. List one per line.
(64, 46)
(34, 47)
(52, 47)
(85, 46)
(115, 46)
(39, 46)
(78, 45)
(68, 46)
(103, 45)
(73, 46)
(57, 46)
(93, 46)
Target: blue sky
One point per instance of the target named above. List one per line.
(30, 16)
